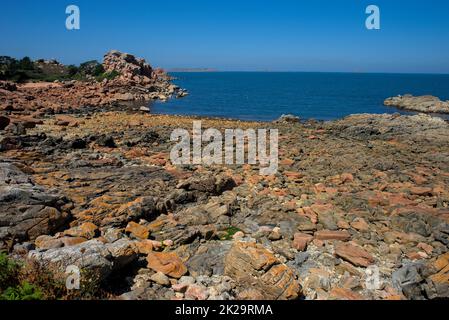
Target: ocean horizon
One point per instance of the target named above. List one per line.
(266, 95)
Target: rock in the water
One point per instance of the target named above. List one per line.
(427, 104)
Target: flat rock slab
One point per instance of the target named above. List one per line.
(354, 254)
(252, 265)
(28, 210)
(97, 259)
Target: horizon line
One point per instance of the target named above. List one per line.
(212, 70)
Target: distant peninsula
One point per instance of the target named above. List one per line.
(192, 70)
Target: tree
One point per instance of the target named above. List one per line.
(72, 70)
(26, 64)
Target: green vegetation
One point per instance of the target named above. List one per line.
(33, 282)
(93, 68)
(107, 75)
(24, 291)
(229, 233)
(11, 288)
(8, 271)
(26, 70)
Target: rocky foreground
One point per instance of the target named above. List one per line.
(96, 189)
(425, 104)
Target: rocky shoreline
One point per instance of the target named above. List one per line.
(425, 104)
(93, 186)
(98, 191)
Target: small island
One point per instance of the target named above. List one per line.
(425, 104)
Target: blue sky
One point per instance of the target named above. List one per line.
(284, 35)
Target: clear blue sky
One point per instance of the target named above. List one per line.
(293, 35)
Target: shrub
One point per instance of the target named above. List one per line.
(9, 271)
(24, 291)
(99, 70)
(72, 70)
(91, 68)
(108, 75)
(26, 64)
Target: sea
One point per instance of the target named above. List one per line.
(265, 96)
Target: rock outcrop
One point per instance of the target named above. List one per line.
(288, 118)
(426, 104)
(128, 66)
(130, 79)
(27, 210)
(94, 258)
(252, 265)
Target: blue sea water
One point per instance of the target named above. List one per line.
(264, 96)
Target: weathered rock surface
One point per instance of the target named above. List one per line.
(354, 199)
(167, 263)
(250, 264)
(426, 104)
(27, 210)
(288, 118)
(127, 65)
(354, 254)
(94, 258)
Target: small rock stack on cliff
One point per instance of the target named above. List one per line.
(129, 67)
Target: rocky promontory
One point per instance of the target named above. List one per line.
(425, 104)
(123, 78)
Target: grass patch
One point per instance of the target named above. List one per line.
(229, 233)
(107, 75)
(24, 291)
